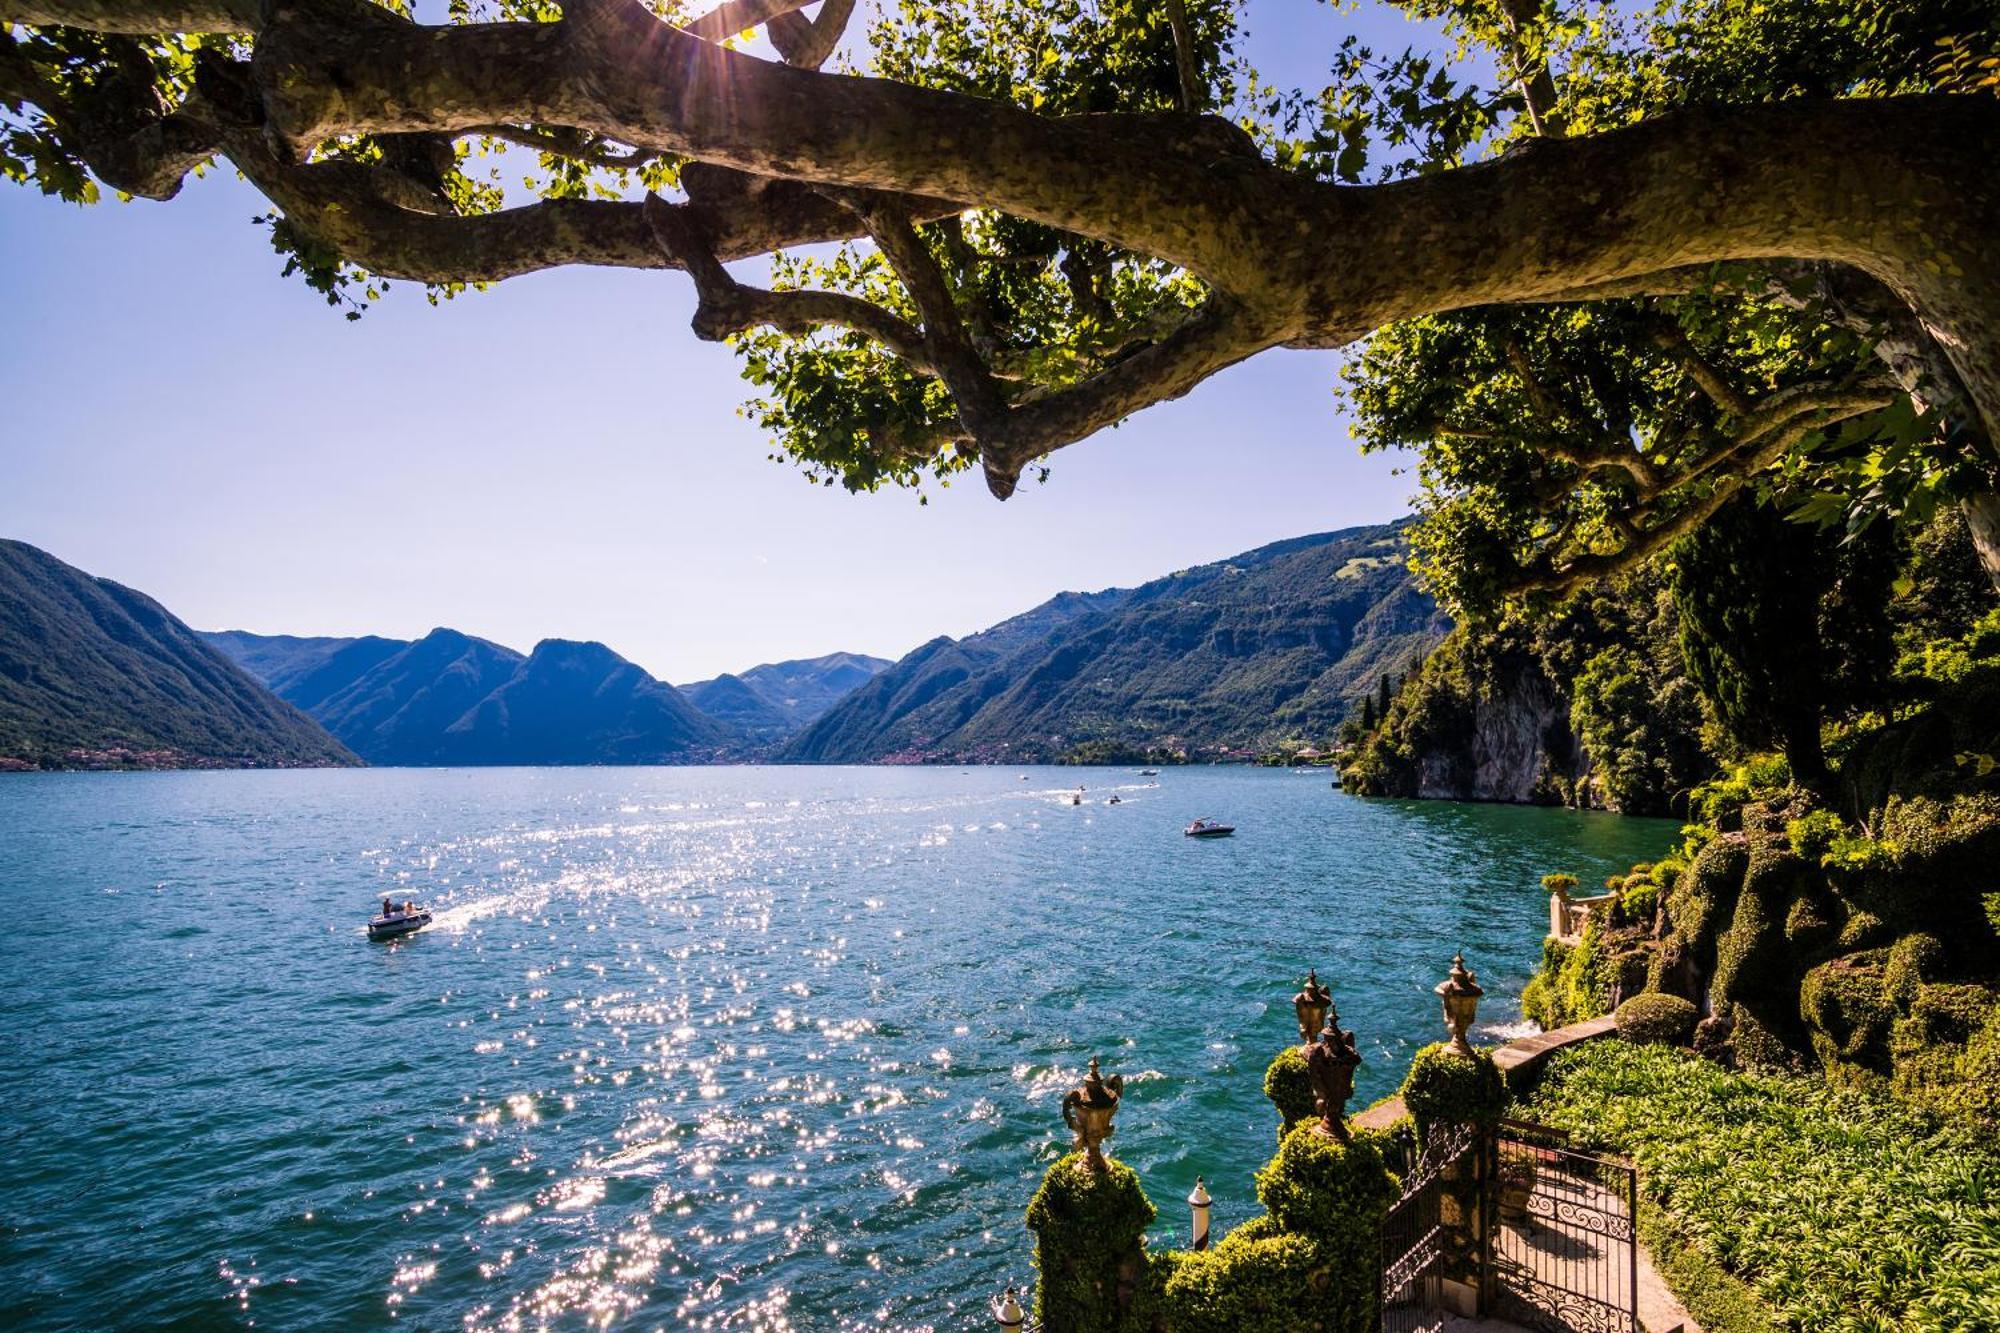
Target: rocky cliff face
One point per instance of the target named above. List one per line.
(1589, 708)
(1520, 749)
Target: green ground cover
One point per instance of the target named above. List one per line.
(1837, 1209)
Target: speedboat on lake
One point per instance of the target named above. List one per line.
(1149, 772)
(396, 921)
(1208, 828)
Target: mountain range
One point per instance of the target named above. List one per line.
(1215, 662)
(450, 698)
(1220, 661)
(95, 675)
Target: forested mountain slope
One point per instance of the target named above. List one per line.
(1218, 661)
(93, 674)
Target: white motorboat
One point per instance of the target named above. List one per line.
(397, 921)
(1208, 828)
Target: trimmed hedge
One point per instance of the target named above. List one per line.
(1089, 1246)
(1656, 1019)
(1289, 1087)
(1443, 1089)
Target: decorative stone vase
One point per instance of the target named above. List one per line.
(1460, 993)
(1311, 1004)
(1087, 1110)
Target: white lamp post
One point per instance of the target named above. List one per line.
(1198, 1204)
(1008, 1312)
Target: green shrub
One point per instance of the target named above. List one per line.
(1311, 1262)
(1334, 1192)
(1648, 1019)
(1766, 773)
(1640, 900)
(1812, 836)
(1290, 1089)
(1553, 883)
(1859, 853)
(1443, 1088)
(1089, 1228)
(1848, 1011)
(1915, 959)
(1255, 1278)
(1862, 930)
(1574, 981)
(1838, 1209)
(1719, 1301)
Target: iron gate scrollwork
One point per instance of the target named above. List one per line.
(1551, 1231)
(1414, 1241)
(1563, 1252)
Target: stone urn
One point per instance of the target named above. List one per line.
(1460, 993)
(1311, 1004)
(1087, 1110)
(1330, 1065)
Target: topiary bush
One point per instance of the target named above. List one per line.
(1913, 960)
(1443, 1088)
(1089, 1246)
(1289, 1087)
(1256, 1278)
(1335, 1192)
(1656, 1020)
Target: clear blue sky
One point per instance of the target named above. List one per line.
(558, 457)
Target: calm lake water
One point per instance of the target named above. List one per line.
(714, 1048)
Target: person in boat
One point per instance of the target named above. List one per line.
(386, 908)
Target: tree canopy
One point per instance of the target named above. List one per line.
(1621, 264)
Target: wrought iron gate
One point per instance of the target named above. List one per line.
(1413, 1233)
(1556, 1248)
(1562, 1251)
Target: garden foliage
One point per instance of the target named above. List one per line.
(1840, 1209)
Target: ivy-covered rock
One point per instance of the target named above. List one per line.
(1089, 1247)
(1656, 1019)
(1849, 1012)
(1288, 1086)
(1444, 1088)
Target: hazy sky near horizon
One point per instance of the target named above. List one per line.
(558, 457)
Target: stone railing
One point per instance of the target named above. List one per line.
(1568, 916)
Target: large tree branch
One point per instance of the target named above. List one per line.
(973, 388)
(1899, 187)
(1781, 422)
(142, 152)
(806, 43)
(1216, 336)
(136, 17)
(726, 306)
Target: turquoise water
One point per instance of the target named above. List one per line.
(713, 1048)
